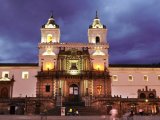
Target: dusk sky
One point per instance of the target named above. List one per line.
(133, 27)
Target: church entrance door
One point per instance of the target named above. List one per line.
(73, 93)
(12, 110)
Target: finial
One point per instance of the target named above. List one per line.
(41, 66)
(51, 14)
(96, 14)
(12, 79)
(13, 76)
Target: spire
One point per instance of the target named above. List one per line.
(51, 22)
(96, 15)
(51, 14)
(97, 23)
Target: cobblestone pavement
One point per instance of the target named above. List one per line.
(23, 117)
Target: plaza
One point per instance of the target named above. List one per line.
(23, 117)
(78, 76)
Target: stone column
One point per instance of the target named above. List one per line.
(108, 82)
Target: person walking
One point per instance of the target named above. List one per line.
(114, 114)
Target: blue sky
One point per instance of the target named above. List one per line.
(133, 27)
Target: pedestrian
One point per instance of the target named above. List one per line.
(76, 113)
(114, 114)
(141, 111)
(130, 117)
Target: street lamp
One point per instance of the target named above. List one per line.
(146, 100)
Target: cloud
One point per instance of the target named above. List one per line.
(133, 27)
(133, 31)
(15, 52)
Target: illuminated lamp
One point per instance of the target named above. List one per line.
(5, 79)
(54, 41)
(73, 72)
(93, 41)
(98, 67)
(73, 69)
(146, 100)
(49, 38)
(48, 52)
(49, 66)
(98, 52)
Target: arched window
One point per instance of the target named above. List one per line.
(49, 38)
(73, 93)
(97, 39)
(48, 66)
(142, 96)
(4, 92)
(73, 89)
(151, 95)
(99, 89)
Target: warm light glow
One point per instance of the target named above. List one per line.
(49, 38)
(93, 40)
(49, 52)
(145, 77)
(146, 100)
(97, 24)
(130, 78)
(5, 76)
(98, 67)
(98, 52)
(115, 78)
(99, 89)
(48, 66)
(25, 75)
(73, 72)
(50, 26)
(54, 41)
(5, 79)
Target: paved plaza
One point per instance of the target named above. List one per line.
(23, 117)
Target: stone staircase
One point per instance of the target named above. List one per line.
(88, 111)
(83, 111)
(56, 111)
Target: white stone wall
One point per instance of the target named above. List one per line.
(22, 87)
(128, 88)
(97, 32)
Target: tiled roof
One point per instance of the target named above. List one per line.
(18, 64)
(136, 65)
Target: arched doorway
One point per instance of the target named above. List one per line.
(151, 96)
(73, 93)
(142, 96)
(97, 39)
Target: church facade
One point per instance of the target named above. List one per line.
(79, 74)
(73, 69)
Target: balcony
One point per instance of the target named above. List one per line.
(83, 74)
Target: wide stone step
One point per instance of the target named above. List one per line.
(67, 104)
(83, 111)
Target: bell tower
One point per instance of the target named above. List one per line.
(50, 37)
(97, 32)
(97, 37)
(50, 32)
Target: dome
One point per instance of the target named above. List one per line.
(51, 23)
(97, 23)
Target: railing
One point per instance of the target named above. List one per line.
(119, 99)
(88, 74)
